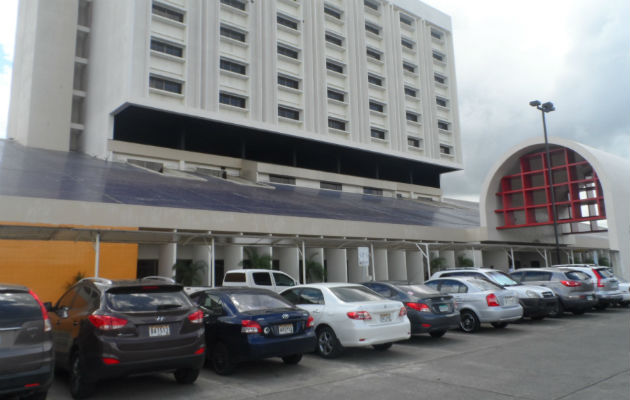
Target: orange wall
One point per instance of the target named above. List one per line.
(48, 266)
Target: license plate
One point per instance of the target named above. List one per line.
(386, 317)
(159, 330)
(443, 307)
(285, 329)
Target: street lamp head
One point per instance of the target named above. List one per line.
(548, 107)
(534, 103)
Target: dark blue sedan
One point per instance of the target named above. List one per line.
(428, 311)
(244, 324)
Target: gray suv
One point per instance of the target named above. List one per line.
(104, 329)
(606, 285)
(26, 348)
(573, 288)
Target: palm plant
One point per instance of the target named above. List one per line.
(438, 264)
(189, 273)
(463, 261)
(256, 261)
(314, 270)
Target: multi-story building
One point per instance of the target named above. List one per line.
(352, 95)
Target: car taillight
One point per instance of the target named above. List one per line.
(200, 350)
(599, 278)
(492, 300)
(402, 312)
(47, 326)
(571, 283)
(196, 317)
(310, 322)
(364, 315)
(110, 361)
(107, 322)
(248, 326)
(419, 307)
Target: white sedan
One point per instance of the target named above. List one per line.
(350, 315)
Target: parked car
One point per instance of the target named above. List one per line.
(480, 301)
(26, 346)
(573, 288)
(537, 301)
(104, 329)
(244, 324)
(428, 310)
(606, 285)
(624, 288)
(259, 278)
(350, 315)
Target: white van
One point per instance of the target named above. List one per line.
(259, 278)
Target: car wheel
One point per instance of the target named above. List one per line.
(557, 311)
(382, 347)
(328, 345)
(80, 387)
(499, 325)
(221, 360)
(186, 376)
(437, 334)
(292, 359)
(578, 312)
(35, 396)
(469, 321)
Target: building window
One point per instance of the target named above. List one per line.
(373, 191)
(439, 78)
(165, 84)
(408, 43)
(412, 116)
(377, 133)
(334, 39)
(330, 185)
(289, 113)
(411, 92)
(286, 21)
(334, 66)
(336, 95)
(405, 19)
(240, 4)
(232, 100)
(436, 34)
(332, 11)
(371, 4)
(443, 125)
(438, 56)
(375, 106)
(232, 33)
(442, 102)
(287, 51)
(413, 142)
(373, 28)
(232, 66)
(444, 149)
(409, 67)
(285, 180)
(167, 12)
(375, 80)
(375, 54)
(288, 82)
(337, 124)
(166, 48)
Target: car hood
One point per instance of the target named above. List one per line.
(521, 290)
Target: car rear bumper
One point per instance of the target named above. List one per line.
(501, 314)
(578, 302)
(98, 370)
(422, 322)
(608, 297)
(535, 307)
(22, 383)
(260, 346)
(362, 334)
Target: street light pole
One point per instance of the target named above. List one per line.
(544, 109)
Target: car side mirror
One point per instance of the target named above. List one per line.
(62, 312)
(48, 306)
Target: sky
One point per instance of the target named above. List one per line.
(574, 53)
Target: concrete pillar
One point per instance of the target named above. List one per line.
(355, 272)
(380, 265)
(449, 257)
(415, 266)
(336, 265)
(168, 258)
(289, 261)
(232, 256)
(203, 254)
(497, 259)
(397, 265)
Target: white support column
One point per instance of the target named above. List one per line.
(232, 256)
(289, 261)
(211, 267)
(168, 258)
(397, 265)
(336, 263)
(381, 269)
(415, 266)
(203, 253)
(97, 254)
(449, 257)
(356, 273)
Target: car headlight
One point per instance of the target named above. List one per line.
(531, 293)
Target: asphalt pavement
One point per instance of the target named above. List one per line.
(570, 358)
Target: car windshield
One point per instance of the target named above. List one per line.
(354, 294)
(258, 301)
(483, 284)
(502, 278)
(147, 301)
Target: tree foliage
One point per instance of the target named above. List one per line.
(463, 262)
(254, 260)
(189, 273)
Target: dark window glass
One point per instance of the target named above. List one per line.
(334, 39)
(438, 56)
(335, 95)
(373, 29)
(330, 186)
(536, 276)
(436, 34)
(288, 82)
(517, 276)
(292, 296)
(235, 3)
(334, 67)
(66, 299)
(383, 290)
(577, 275)
(406, 20)
(377, 133)
(449, 286)
(411, 116)
(147, 300)
(168, 13)
(18, 306)
(262, 278)
(409, 67)
(407, 43)
(283, 280)
(165, 84)
(443, 125)
(375, 80)
(86, 299)
(285, 51)
(235, 277)
(354, 294)
(432, 285)
(413, 142)
(232, 100)
(166, 48)
(287, 22)
(250, 302)
(439, 78)
(605, 272)
(311, 296)
(336, 124)
(332, 12)
(212, 303)
(374, 106)
(232, 34)
(441, 102)
(287, 180)
(371, 4)
(445, 149)
(411, 92)
(232, 66)
(289, 113)
(373, 191)
(373, 54)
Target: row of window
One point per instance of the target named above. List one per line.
(289, 180)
